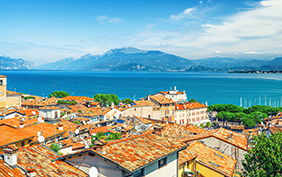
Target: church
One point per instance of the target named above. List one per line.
(8, 98)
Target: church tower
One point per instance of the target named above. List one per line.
(3, 90)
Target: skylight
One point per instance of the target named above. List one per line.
(214, 164)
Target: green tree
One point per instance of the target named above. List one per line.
(265, 158)
(55, 147)
(76, 122)
(59, 94)
(192, 101)
(127, 101)
(107, 99)
(202, 125)
(208, 124)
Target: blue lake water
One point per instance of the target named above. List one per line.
(210, 87)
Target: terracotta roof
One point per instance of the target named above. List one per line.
(135, 152)
(15, 122)
(1, 76)
(29, 112)
(50, 108)
(143, 103)
(239, 140)
(7, 112)
(167, 92)
(161, 99)
(12, 93)
(76, 108)
(10, 135)
(7, 170)
(143, 120)
(185, 156)
(47, 102)
(212, 158)
(181, 131)
(102, 129)
(189, 106)
(67, 126)
(275, 129)
(41, 159)
(78, 99)
(237, 127)
(47, 129)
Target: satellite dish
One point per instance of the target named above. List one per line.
(41, 139)
(56, 140)
(94, 134)
(38, 133)
(33, 112)
(39, 119)
(93, 172)
(76, 131)
(84, 122)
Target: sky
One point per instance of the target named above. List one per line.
(47, 31)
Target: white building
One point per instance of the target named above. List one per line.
(175, 95)
(51, 113)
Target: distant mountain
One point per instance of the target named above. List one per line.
(124, 59)
(275, 64)
(9, 63)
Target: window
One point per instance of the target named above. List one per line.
(22, 144)
(1, 82)
(162, 162)
(138, 173)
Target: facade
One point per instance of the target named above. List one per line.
(166, 107)
(142, 108)
(3, 90)
(193, 113)
(51, 113)
(13, 99)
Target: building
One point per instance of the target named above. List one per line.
(37, 160)
(211, 162)
(142, 108)
(143, 155)
(166, 106)
(50, 113)
(226, 141)
(13, 136)
(175, 95)
(193, 113)
(187, 161)
(8, 98)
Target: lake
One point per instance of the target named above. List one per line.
(210, 87)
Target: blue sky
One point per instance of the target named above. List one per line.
(46, 31)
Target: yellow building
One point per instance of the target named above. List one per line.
(8, 98)
(166, 106)
(186, 162)
(3, 86)
(211, 162)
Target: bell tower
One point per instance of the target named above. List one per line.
(3, 90)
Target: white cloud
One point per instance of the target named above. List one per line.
(253, 52)
(105, 19)
(182, 15)
(200, 2)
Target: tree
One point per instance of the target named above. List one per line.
(208, 124)
(127, 101)
(55, 147)
(192, 101)
(76, 122)
(107, 99)
(59, 94)
(202, 125)
(265, 158)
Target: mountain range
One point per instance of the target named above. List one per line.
(133, 59)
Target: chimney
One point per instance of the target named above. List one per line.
(158, 130)
(124, 134)
(112, 105)
(21, 124)
(60, 127)
(31, 172)
(174, 87)
(100, 146)
(10, 155)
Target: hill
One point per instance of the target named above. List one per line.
(10, 63)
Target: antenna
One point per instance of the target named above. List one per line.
(93, 172)
(76, 131)
(41, 139)
(33, 112)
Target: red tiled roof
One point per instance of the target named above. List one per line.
(189, 106)
(10, 135)
(42, 159)
(11, 93)
(135, 152)
(185, 156)
(212, 158)
(161, 99)
(239, 140)
(7, 170)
